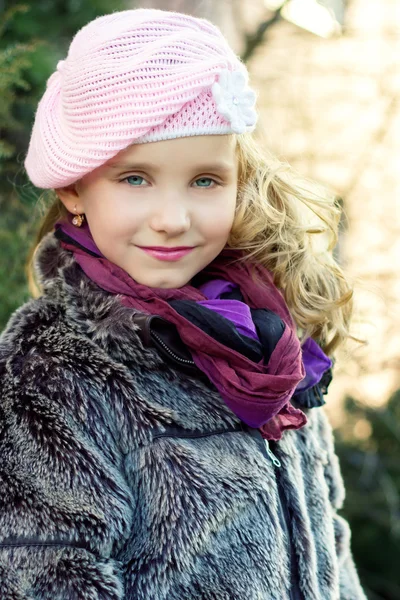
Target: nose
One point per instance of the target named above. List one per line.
(171, 216)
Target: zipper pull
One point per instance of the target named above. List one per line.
(272, 456)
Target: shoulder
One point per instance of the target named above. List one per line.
(318, 431)
(321, 431)
(41, 354)
(25, 325)
(321, 427)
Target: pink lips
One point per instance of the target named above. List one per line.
(169, 254)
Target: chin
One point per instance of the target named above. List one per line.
(162, 282)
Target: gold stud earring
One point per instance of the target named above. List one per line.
(78, 219)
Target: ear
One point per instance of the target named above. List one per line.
(69, 196)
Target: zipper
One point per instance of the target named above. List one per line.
(169, 351)
(283, 513)
(284, 517)
(31, 542)
(272, 456)
(294, 592)
(176, 432)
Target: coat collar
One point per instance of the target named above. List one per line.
(90, 310)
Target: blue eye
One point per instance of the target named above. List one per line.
(205, 179)
(137, 178)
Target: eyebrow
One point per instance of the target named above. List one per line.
(217, 166)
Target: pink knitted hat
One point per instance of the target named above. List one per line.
(136, 76)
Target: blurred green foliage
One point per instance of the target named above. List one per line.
(34, 36)
(371, 469)
(13, 60)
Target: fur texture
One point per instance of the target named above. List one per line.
(123, 478)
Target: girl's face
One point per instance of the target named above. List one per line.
(173, 193)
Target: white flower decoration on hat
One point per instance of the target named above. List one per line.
(235, 99)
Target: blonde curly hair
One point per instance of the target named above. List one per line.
(286, 223)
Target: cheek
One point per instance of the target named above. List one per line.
(108, 218)
(219, 218)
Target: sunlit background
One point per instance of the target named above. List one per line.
(328, 77)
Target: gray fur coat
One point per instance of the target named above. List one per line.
(123, 478)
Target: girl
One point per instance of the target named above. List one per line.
(162, 430)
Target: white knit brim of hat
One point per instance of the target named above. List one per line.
(136, 76)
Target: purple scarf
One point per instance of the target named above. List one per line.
(315, 361)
